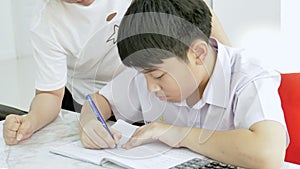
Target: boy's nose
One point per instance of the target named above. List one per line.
(152, 86)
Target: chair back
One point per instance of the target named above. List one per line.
(289, 92)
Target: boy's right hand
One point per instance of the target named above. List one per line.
(93, 135)
(16, 128)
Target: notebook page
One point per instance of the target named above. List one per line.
(160, 161)
(126, 129)
(153, 155)
(75, 150)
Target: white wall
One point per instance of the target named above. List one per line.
(256, 26)
(23, 12)
(17, 75)
(15, 17)
(290, 26)
(7, 41)
(243, 17)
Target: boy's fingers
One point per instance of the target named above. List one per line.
(93, 136)
(117, 135)
(140, 136)
(130, 144)
(133, 142)
(105, 141)
(87, 142)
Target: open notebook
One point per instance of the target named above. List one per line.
(153, 155)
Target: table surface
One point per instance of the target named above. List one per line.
(33, 153)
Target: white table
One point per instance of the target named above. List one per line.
(33, 153)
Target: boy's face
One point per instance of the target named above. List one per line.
(82, 2)
(174, 80)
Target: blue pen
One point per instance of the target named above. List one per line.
(98, 114)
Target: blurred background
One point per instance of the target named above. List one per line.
(268, 29)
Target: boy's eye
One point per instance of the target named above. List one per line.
(159, 76)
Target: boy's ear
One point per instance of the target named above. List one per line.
(199, 51)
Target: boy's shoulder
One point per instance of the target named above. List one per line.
(241, 64)
(246, 69)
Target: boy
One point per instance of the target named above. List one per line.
(74, 44)
(201, 94)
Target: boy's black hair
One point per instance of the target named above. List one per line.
(153, 30)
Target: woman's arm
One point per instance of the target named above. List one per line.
(217, 29)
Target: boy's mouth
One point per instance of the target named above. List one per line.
(161, 97)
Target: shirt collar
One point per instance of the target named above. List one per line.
(217, 89)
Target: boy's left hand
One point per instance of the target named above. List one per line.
(166, 133)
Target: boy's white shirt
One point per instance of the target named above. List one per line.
(74, 45)
(239, 93)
